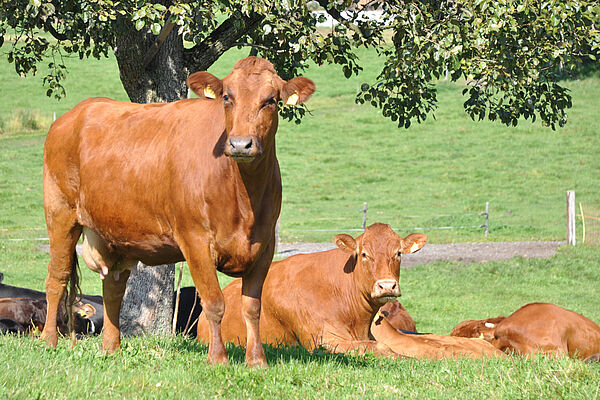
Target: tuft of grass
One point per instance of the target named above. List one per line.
(25, 120)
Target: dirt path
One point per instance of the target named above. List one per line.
(462, 252)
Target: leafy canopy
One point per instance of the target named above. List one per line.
(510, 53)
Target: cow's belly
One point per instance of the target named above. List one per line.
(100, 253)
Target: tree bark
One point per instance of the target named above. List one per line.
(163, 79)
(148, 302)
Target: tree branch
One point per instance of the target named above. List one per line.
(204, 54)
(50, 29)
(338, 16)
(160, 40)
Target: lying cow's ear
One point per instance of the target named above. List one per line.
(345, 242)
(413, 243)
(205, 85)
(297, 91)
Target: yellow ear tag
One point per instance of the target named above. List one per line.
(414, 248)
(208, 92)
(292, 100)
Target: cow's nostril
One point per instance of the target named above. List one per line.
(249, 144)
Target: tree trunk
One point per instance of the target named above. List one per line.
(163, 79)
(148, 302)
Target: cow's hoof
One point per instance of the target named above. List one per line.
(257, 363)
(111, 347)
(218, 360)
(51, 339)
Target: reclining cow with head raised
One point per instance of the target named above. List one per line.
(330, 298)
(196, 179)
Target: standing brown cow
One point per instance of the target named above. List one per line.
(195, 179)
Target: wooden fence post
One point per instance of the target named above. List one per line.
(364, 211)
(571, 217)
(486, 213)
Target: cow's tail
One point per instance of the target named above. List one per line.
(73, 293)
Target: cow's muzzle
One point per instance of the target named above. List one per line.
(242, 148)
(386, 290)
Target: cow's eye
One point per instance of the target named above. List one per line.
(226, 98)
(270, 102)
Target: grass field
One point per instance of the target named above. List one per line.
(434, 175)
(429, 176)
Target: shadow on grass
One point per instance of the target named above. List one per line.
(276, 354)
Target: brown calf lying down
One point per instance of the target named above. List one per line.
(397, 316)
(330, 298)
(430, 346)
(539, 328)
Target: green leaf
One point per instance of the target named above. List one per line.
(155, 27)
(139, 24)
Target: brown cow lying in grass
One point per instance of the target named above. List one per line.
(538, 328)
(329, 299)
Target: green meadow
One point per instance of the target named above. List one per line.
(434, 178)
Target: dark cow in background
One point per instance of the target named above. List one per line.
(31, 306)
(539, 328)
(329, 298)
(26, 308)
(195, 180)
(188, 312)
(10, 326)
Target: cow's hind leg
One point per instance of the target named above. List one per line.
(113, 289)
(63, 232)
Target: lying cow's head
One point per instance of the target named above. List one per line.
(250, 94)
(377, 259)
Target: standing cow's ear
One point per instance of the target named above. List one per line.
(413, 243)
(345, 242)
(297, 91)
(205, 85)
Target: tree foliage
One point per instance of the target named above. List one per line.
(510, 53)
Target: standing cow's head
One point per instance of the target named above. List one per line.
(250, 94)
(376, 266)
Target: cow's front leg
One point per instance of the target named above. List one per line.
(113, 289)
(204, 275)
(252, 285)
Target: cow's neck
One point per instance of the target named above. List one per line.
(257, 177)
(360, 306)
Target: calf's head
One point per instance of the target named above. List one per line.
(376, 262)
(250, 95)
